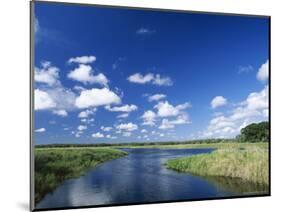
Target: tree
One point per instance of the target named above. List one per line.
(256, 132)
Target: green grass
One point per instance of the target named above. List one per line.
(248, 162)
(54, 165)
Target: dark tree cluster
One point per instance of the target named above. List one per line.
(256, 132)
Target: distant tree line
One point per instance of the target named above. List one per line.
(256, 132)
(201, 141)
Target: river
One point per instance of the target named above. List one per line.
(141, 177)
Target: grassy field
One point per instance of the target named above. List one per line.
(54, 165)
(246, 161)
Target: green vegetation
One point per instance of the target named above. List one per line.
(237, 185)
(54, 165)
(248, 164)
(246, 161)
(255, 133)
(140, 144)
(201, 145)
(165, 145)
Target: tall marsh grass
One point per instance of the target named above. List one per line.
(54, 165)
(249, 164)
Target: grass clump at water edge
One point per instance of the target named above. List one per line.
(249, 164)
(54, 165)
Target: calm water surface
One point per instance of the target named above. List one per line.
(140, 177)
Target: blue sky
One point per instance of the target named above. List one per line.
(120, 75)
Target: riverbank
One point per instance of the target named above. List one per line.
(248, 162)
(54, 165)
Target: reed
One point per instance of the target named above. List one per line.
(249, 164)
(54, 165)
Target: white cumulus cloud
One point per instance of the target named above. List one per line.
(181, 119)
(165, 109)
(78, 88)
(62, 113)
(127, 127)
(86, 113)
(166, 125)
(87, 121)
(150, 78)
(40, 130)
(156, 97)
(82, 59)
(253, 109)
(141, 79)
(122, 116)
(149, 118)
(96, 97)
(106, 129)
(53, 97)
(124, 108)
(162, 81)
(263, 72)
(143, 131)
(42, 100)
(218, 101)
(97, 135)
(64, 98)
(84, 74)
(82, 127)
(170, 124)
(47, 74)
